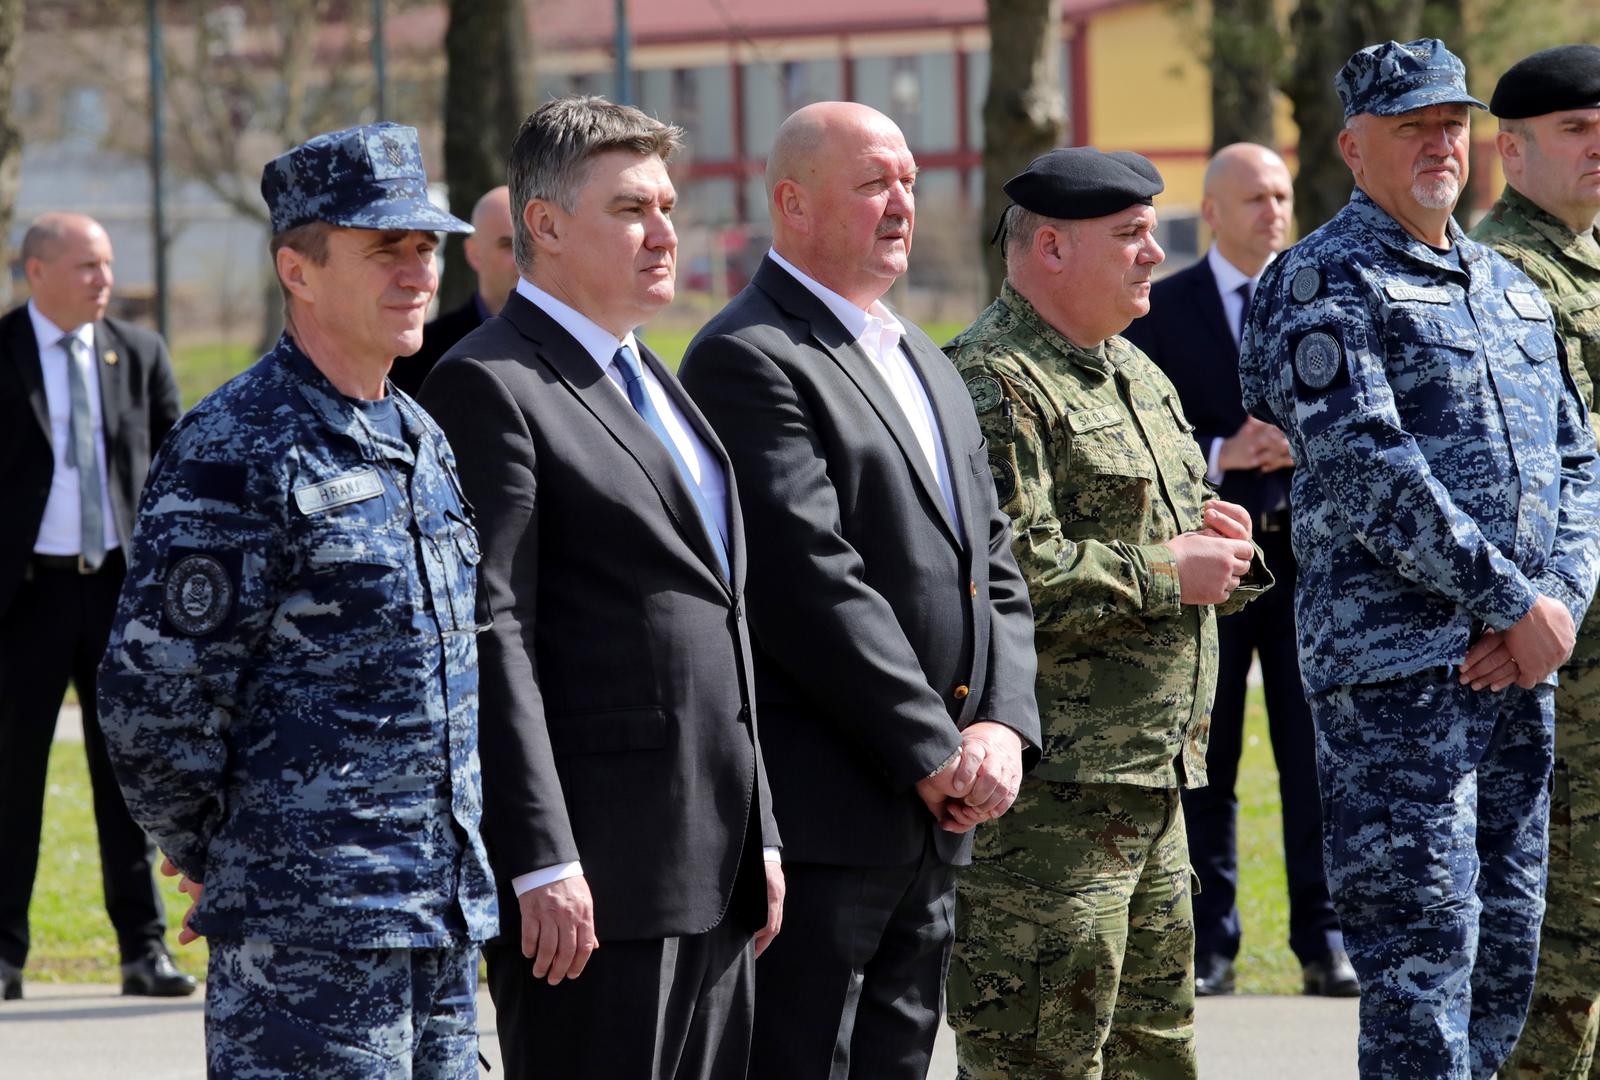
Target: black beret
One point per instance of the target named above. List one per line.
(1082, 182)
(1551, 80)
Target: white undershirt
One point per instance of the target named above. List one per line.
(602, 346)
(879, 334)
(61, 530)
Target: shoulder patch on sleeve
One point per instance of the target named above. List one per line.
(1319, 360)
(1305, 284)
(985, 391)
(197, 594)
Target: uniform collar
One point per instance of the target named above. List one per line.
(334, 410)
(1098, 359)
(1394, 236)
(1552, 228)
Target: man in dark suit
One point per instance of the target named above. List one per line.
(894, 663)
(1192, 332)
(488, 252)
(84, 402)
(626, 810)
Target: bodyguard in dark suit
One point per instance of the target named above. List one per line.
(894, 662)
(84, 401)
(626, 809)
(1192, 332)
(488, 251)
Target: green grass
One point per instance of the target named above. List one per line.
(73, 942)
(201, 368)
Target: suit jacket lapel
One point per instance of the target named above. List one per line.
(25, 354)
(594, 389)
(950, 411)
(828, 332)
(1209, 302)
(112, 377)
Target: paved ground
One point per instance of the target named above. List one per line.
(91, 1033)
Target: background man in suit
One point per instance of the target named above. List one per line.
(1192, 333)
(85, 401)
(895, 644)
(488, 252)
(626, 806)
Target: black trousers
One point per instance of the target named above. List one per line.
(55, 630)
(853, 986)
(1265, 628)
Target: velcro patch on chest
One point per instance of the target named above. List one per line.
(1086, 420)
(1422, 294)
(352, 487)
(1529, 305)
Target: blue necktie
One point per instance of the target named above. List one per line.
(628, 364)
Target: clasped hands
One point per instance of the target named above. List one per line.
(980, 782)
(190, 888)
(1524, 653)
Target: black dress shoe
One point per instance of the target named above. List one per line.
(1213, 976)
(10, 982)
(155, 976)
(1332, 976)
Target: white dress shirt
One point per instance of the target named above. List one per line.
(878, 333)
(602, 346)
(1229, 278)
(61, 531)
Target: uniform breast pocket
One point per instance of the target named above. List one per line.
(463, 552)
(355, 588)
(1107, 486)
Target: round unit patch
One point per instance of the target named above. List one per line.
(1317, 359)
(985, 391)
(1005, 479)
(1305, 284)
(197, 595)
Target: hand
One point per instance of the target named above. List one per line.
(942, 794)
(1540, 641)
(558, 928)
(1209, 567)
(775, 892)
(1226, 519)
(992, 753)
(1489, 663)
(190, 888)
(1256, 445)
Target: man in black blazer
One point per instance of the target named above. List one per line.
(626, 810)
(488, 251)
(1192, 332)
(894, 662)
(84, 402)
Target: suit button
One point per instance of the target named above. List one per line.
(972, 589)
(960, 692)
(744, 714)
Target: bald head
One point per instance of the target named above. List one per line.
(839, 182)
(489, 248)
(1248, 200)
(67, 258)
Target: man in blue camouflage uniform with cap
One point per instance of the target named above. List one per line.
(1445, 517)
(290, 692)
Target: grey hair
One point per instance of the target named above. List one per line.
(1021, 227)
(550, 156)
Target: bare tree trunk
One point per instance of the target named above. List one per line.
(10, 138)
(488, 92)
(1326, 33)
(1245, 52)
(1024, 111)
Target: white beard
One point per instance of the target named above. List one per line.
(1440, 194)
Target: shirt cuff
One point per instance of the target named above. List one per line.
(1213, 470)
(538, 879)
(772, 854)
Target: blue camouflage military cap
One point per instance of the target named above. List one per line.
(1390, 79)
(367, 177)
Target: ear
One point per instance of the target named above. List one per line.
(1208, 213)
(1511, 156)
(34, 270)
(789, 205)
(469, 248)
(1350, 150)
(295, 271)
(545, 224)
(1051, 247)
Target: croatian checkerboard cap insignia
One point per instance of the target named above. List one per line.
(394, 153)
(197, 595)
(1317, 359)
(985, 391)
(1303, 287)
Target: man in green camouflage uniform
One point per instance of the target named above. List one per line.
(1074, 952)
(1549, 142)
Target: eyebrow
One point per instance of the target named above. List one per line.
(636, 198)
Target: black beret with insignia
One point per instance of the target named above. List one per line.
(1079, 182)
(1551, 80)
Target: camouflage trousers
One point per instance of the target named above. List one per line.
(1435, 809)
(1559, 1038)
(1074, 950)
(361, 1014)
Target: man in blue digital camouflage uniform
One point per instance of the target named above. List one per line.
(1445, 518)
(290, 693)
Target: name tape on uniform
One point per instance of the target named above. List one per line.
(340, 491)
(1425, 294)
(1084, 420)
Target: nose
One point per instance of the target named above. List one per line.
(1152, 253)
(902, 203)
(661, 236)
(1439, 141)
(420, 272)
